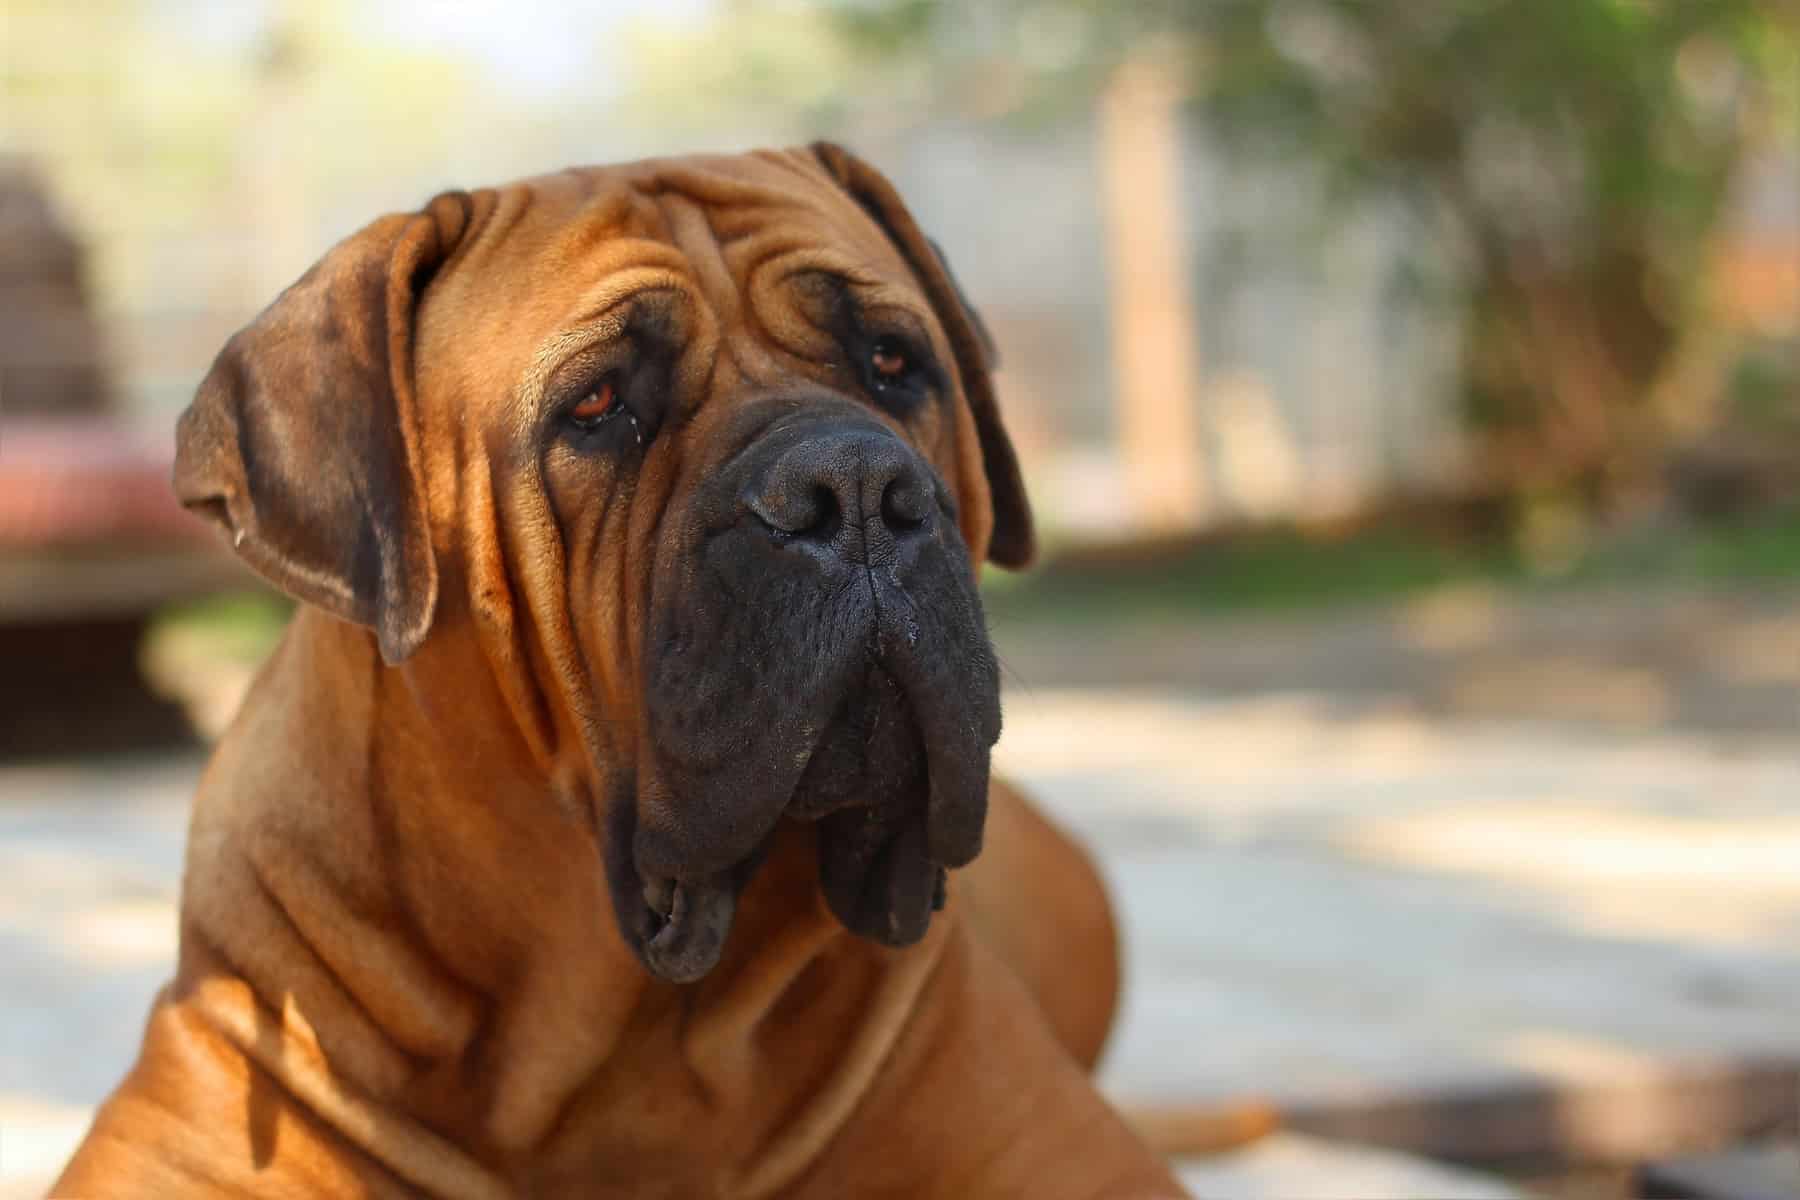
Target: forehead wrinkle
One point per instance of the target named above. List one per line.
(512, 205)
(722, 183)
(819, 205)
(618, 213)
(692, 232)
(741, 353)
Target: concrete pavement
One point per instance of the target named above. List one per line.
(1364, 914)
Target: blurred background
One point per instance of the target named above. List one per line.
(1410, 395)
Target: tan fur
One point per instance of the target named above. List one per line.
(399, 971)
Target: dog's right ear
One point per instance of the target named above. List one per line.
(302, 441)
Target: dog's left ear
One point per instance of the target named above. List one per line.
(302, 441)
(1013, 542)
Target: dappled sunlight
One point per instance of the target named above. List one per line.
(1295, 1167)
(1559, 689)
(1643, 1112)
(87, 909)
(1399, 405)
(1602, 873)
(160, 785)
(1052, 730)
(1558, 1054)
(1766, 650)
(42, 876)
(36, 1137)
(1365, 903)
(121, 934)
(1260, 468)
(1459, 616)
(1563, 842)
(1348, 759)
(90, 863)
(1325, 899)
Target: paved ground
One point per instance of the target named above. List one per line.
(1343, 912)
(1428, 928)
(1723, 662)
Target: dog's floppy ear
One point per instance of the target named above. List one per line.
(1013, 542)
(301, 443)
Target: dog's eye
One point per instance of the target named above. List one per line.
(889, 361)
(599, 405)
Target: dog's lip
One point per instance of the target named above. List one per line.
(878, 877)
(687, 924)
(666, 900)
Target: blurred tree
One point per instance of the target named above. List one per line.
(203, 153)
(1577, 154)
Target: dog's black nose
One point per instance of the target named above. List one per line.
(862, 493)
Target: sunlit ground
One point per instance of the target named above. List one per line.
(1329, 904)
(1330, 901)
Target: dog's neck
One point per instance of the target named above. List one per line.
(462, 963)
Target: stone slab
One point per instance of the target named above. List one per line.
(1752, 1173)
(1292, 1166)
(1353, 912)
(1358, 915)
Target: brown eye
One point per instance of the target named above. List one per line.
(597, 405)
(890, 362)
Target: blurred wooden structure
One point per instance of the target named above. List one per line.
(92, 540)
(88, 524)
(1767, 1172)
(50, 349)
(1156, 361)
(89, 527)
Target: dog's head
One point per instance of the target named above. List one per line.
(708, 450)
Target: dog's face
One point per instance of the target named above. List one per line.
(710, 444)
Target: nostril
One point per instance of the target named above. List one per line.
(905, 505)
(802, 510)
(827, 514)
(859, 494)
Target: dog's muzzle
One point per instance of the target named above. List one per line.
(819, 655)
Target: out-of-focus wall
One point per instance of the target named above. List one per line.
(1317, 386)
(207, 154)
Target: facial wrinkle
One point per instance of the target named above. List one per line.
(691, 228)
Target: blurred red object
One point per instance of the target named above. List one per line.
(71, 481)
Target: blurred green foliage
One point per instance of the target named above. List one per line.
(1282, 570)
(1293, 570)
(234, 627)
(1565, 163)
(205, 119)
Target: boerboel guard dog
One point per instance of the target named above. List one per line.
(584, 835)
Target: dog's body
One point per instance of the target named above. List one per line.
(621, 881)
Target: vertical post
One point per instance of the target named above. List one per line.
(1155, 361)
(277, 161)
